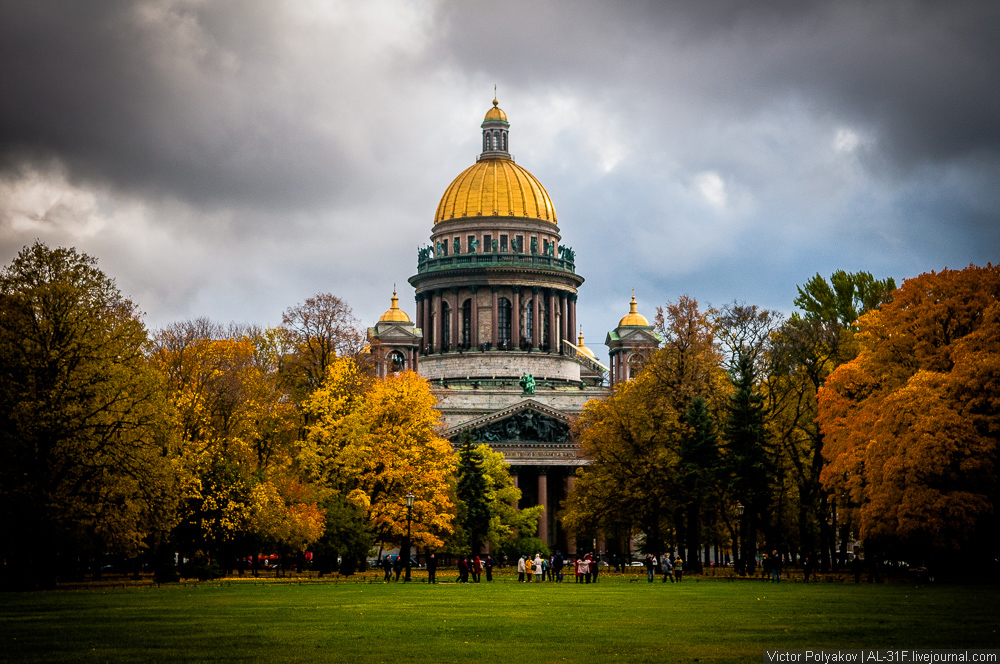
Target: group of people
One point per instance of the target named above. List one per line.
(552, 568)
(670, 567)
(473, 567)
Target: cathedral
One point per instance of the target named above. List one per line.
(496, 292)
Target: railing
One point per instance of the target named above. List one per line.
(495, 260)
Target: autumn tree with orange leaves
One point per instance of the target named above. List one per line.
(912, 424)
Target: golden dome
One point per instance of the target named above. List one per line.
(495, 113)
(633, 317)
(495, 188)
(583, 349)
(394, 314)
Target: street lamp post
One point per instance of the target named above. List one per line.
(409, 519)
(741, 561)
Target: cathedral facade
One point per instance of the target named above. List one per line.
(495, 332)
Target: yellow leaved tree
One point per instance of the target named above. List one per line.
(373, 441)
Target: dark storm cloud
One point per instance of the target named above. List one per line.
(924, 75)
(231, 158)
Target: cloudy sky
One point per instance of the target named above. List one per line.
(230, 159)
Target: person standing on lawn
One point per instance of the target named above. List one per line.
(585, 568)
(545, 569)
(489, 568)
(397, 566)
(558, 563)
(594, 565)
(432, 566)
(463, 570)
(650, 564)
(537, 568)
(678, 568)
(520, 569)
(478, 568)
(387, 568)
(775, 567)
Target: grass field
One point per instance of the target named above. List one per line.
(616, 620)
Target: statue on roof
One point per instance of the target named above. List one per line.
(527, 384)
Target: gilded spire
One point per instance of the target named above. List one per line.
(394, 314)
(633, 317)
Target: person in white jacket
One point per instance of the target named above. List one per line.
(520, 569)
(538, 568)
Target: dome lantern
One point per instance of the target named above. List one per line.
(495, 130)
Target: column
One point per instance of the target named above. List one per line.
(536, 327)
(428, 339)
(475, 317)
(437, 322)
(456, 318)
(554, 342)
(420, 316)
(415, 360)
(494, 323)
(515, 316)
(543, 499)
(564, 333)
(572, 316)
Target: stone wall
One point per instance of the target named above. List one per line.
(500, 364)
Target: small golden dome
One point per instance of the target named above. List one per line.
(394, 314)
(495, 188)
(495, 113)
(583, 349)
(633, 317)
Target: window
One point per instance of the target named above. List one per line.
(445, 326)
(503, 243)
(470, 242)
(467, 324)
(545, 247)
(396, 361)
(503, 324)
(444, 247)
(529, 322)
(504, 141)
(519, 244)
(487, 244)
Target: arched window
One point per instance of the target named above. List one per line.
(445, 326)
(396, 361)
(504, 136)
(467, 324)
(503, 324)
(635, 361)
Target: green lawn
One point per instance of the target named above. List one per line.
(613, 621)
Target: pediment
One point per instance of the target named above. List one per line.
(526, 421)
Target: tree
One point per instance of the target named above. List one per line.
(632, 439)
(911, 424)
(375, 446)
(745, 332)
(474, 512)
(85, 442)
(699, 473)
(238, 432)
(318, 331)
(844, 298)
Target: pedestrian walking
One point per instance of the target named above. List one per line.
(479, 568)
(595, 565)
(387, 568)
(397, 566)
(775, 567)
(667, 567)
(520, 569)
(558, 563)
